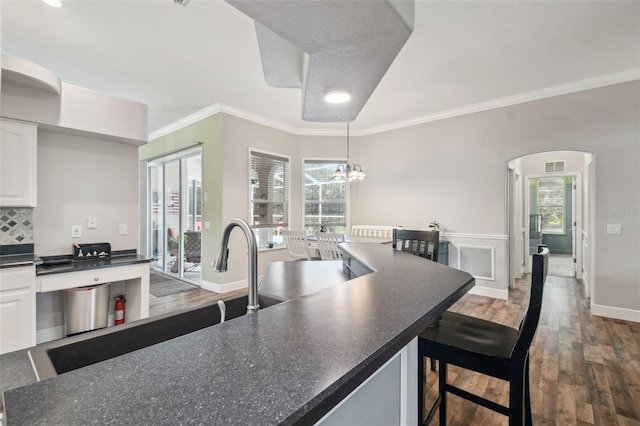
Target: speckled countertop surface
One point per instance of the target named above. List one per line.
(125, 257)
(290, 363)
(13, 255)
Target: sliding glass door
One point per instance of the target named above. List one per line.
(175, 213)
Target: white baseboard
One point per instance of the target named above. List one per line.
(490, 292)
(616, 313)
(223, 288)
(49, 334)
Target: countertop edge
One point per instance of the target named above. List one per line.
(393, 270)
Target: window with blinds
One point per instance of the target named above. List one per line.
(269, 196)
(325, 199)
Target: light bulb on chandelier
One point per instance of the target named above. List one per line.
(349, 171)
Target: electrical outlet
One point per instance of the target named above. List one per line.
(614, 228)
(76, 231)
(122, 229)
(92, 222)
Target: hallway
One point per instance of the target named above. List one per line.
(561, 265)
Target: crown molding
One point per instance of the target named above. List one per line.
(186, 121)
(549, 92)
(218, 108)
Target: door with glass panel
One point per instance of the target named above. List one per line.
(175, 213)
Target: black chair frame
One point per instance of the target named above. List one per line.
(417, 242)
(487, 348)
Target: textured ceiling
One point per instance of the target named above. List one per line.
(460, 56)
(331, 44)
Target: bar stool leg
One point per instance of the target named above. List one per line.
(442, 381)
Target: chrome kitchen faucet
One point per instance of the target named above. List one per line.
(220, 264)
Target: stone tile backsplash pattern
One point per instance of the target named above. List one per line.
(16, 225)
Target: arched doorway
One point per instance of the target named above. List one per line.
(549, 198)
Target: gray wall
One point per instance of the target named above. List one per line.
(454, 171)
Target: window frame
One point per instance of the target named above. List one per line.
(263, 236)
(563, 230)
(336, 160)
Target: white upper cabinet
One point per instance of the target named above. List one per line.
(18, 164)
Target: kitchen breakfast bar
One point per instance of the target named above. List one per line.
(296, 362)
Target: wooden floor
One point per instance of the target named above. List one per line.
(584, 370)
(186, 299)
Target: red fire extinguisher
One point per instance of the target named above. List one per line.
(119, 310)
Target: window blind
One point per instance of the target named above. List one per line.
(325, 199)
(269, 189)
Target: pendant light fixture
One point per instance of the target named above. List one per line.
(348, 171)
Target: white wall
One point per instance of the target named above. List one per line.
(77, 110)
(80, 177)
(453, 171)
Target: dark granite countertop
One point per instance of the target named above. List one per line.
(12, 255)
(19, 260)
(64, 264)
(290, 363)
(309, 278)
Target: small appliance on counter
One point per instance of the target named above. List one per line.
(92, 251)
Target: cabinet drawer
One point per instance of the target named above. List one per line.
(21, 279)
(84, 278)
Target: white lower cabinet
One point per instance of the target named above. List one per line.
(17, 308)
(388, 397)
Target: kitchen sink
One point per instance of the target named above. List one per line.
(50, 359)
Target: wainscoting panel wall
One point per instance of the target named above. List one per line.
(478, 261)
(485, 257)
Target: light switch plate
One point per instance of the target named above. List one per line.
(614, 228)
(122, 229)
(92, 222)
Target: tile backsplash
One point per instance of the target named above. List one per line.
(16, 225)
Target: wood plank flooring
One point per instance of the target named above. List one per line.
(185, 299)
(584, 369)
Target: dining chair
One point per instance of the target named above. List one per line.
(297, 244)
(420, 243)
(328, 245)
(373, 231)
(192, 249)
(487, 348)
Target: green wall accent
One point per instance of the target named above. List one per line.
(208, 132)
(562, 243)
(557, 243)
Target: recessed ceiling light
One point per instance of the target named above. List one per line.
(54, 3)
(337, 96)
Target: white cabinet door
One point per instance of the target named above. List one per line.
(18, 164)
(17, 308)
(388, 397)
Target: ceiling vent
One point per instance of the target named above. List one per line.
(554, 167)
(320, 45)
